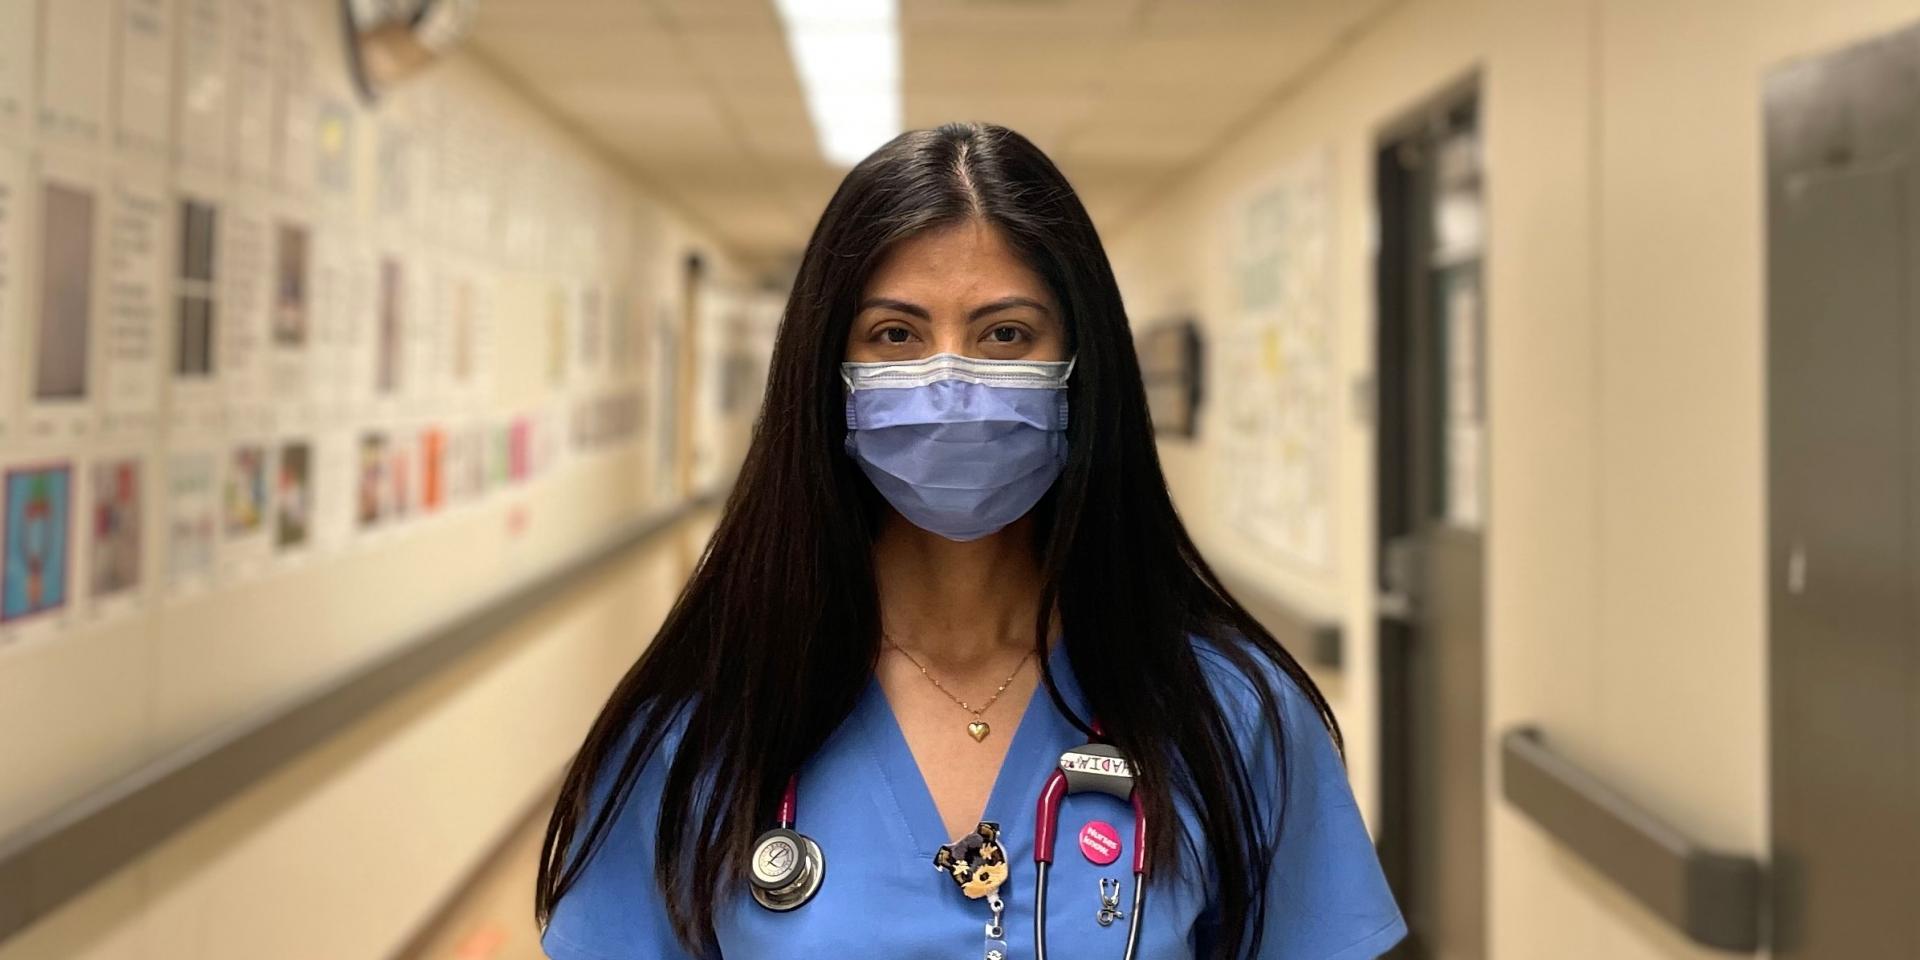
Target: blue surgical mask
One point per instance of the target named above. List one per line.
(961, 447)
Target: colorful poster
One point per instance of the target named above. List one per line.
(143, 113)
(399, 480)
(520, 450)
(37, 535)
(466, 463)
(290, 286)
(246, 492)
(134, 300)
(76, 43)
(389, 343)
(196, 317)
(193, 504)
(293, 496)
(373, 485)
(1278, 376)
(295, 355)
(498, 455)
(115, 525)
(333, 144)
(66, 293)
(433, 452)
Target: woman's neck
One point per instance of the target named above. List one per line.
(961, 605)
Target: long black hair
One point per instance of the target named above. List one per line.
(772, 639)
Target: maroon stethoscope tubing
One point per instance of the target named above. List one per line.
(788, 803)
(1046, 828)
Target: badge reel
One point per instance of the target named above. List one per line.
(977, 864)
(787, 867)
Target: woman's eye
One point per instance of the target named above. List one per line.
(895, 335)
(1006, 334)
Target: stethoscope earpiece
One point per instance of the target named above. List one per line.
(786, 870)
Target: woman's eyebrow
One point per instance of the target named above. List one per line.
(1006, 303)
(892, 304)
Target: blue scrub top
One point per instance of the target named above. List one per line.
(863, 800)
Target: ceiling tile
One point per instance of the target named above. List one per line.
(1056, 18)
(701, 95)
(1201, 64)
(1042, 119)
(746, 60)
(964, 63)
(722, 14)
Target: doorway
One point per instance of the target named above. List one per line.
(1843, 500)
(1430, 510)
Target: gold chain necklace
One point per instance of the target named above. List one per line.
(979, 728)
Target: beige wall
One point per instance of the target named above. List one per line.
(1625, 590)
(1171, 258)
(346, 850)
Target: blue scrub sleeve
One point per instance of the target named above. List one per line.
(614, 910)
(1326, 896)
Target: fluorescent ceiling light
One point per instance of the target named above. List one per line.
(848, 55)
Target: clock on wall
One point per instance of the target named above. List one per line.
(391, 40)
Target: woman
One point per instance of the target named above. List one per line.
(949, 559)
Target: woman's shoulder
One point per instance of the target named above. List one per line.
(667, 725)
(1239, 672)
(608, 912)
(1326, 895)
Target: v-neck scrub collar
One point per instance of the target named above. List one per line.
(922, 829)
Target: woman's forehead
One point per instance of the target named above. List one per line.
(966, 261)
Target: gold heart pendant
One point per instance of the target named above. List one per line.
(978, 730)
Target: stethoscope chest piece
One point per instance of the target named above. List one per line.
(786, 870)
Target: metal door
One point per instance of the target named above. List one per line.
(1843, 284)
(1431, 502)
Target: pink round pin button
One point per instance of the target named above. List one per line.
(1100, 842)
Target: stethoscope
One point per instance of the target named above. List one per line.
(787, 866)
(1090, 768)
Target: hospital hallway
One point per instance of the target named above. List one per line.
(1543, 374)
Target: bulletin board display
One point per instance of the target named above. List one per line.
(1276, 365)
(286, 377)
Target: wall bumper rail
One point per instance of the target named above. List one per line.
(1713, 897)
(56, 859)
